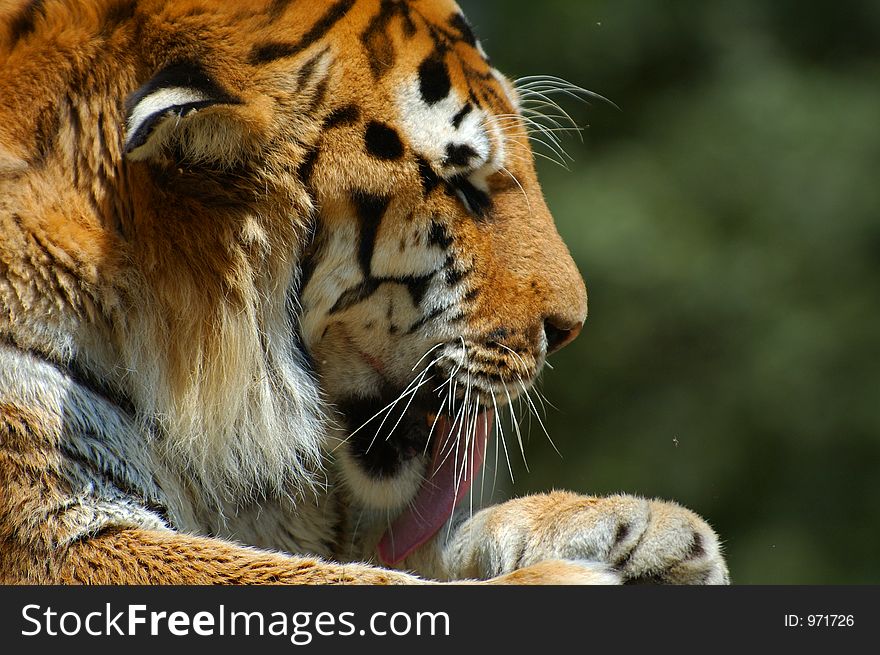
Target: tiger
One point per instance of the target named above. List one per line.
(270, 272)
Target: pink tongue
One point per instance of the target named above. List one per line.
(444, 486)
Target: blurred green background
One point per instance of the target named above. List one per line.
(727, 221)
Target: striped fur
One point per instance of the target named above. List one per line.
(227, 230)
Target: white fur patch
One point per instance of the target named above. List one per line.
(391, 494)
(89, 429)
(430, 130)
(402, 252)
(336, 273)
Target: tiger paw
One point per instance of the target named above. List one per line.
(639, 540)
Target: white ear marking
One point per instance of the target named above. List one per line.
(151, 110)
(155, 112)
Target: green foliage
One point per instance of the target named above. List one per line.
(727, 221)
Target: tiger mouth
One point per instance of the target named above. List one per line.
(448, 448)
(386, 432)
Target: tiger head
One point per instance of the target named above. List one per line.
(260, 214)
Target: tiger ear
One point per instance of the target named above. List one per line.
(182, 112)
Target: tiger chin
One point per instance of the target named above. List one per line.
(269, 273)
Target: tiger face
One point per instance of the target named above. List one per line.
(436, 284)
(253, 202)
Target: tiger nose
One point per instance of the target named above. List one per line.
(560, 332)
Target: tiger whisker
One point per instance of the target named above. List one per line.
(547, 118)
(551, 159)
(405, 410)
(551, 103)
(544, 130)
(516, 355)
(412, 395)
(457, 443)
(544, 399)
(538, 417)
(540, 397)
(553, 119)
(486, 445)
(434, 425)
(449, 438)
(465, 423)
(513, 177)
(391, 405)
(558, 84)
(423, 357)
(465, 443)
(554, 144)
(516, 427)
(548, 130)
(499, 436)
(474, 446)
(513, 121)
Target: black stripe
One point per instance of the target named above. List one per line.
(459, 22)
(319, 96)
(503, 349)
(439, 236)
(307, 166)
(375, 39)
(434, 81)
(355, 295)
(45, 136)
(417, 287)
(460, 116)
(429, 178)
(478, 202)
(623, 561)
(312, 249)
(346, 115)
(424, 320)
(187, 74)
(277, 9)
(293, 307)
(25, 22)
(268, 52)
(383, 142)
(117, 13)
(459, 154)
(370, 210)
(498, 334)
(453, 276)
